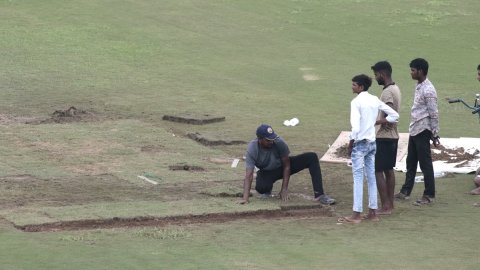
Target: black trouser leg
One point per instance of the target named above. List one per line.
(425, 159)
(419, 152)
(412, 161)
(265, 179)
(309, 160)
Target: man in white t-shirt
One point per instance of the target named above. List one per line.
(362, 146)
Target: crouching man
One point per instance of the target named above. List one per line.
(270, 154)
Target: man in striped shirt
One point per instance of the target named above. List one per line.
(423, 128)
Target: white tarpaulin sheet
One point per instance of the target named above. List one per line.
(469, 145)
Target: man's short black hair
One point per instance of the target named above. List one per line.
(478, 68)
(420, 64)
(383, 66)
(363, 80)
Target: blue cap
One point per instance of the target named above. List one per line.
(266, 131)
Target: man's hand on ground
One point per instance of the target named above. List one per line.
(284, 195)
(243, 201)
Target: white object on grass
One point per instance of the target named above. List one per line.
(292, 122)
(419, 179)
(235, 162)
(146, 179)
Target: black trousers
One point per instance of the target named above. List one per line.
(419, 152)
(265, 179)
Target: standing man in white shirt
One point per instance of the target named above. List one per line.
(362, 146)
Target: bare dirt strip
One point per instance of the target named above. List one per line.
(194, 119)
(116, 222)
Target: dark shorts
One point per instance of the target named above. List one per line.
(386, 155)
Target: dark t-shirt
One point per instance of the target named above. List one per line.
(266, 159)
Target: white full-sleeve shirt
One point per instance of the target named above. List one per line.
(363, 115)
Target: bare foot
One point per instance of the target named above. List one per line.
(372, 215)
(349, 220)
(384, 212)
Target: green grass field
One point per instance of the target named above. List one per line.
(127, 63)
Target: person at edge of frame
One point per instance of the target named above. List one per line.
(476, 179)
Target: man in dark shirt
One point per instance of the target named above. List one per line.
(270, 154)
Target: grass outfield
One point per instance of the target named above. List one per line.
(128, 63)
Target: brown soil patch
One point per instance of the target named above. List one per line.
(6, 120)
(69, 115)
(224, 194)
(211, 142)
(342, 152)
(152, 148)
(185, 167)
(453, 155)
(197, 119)
(116, 222)
(446, 154)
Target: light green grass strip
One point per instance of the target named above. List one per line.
(38, 215)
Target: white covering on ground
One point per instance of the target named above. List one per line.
(469, 144)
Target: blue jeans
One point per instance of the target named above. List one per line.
(363, 162)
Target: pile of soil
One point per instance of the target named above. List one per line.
(342, 151)
(69, 115)
(446, 154)
(452, 155)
